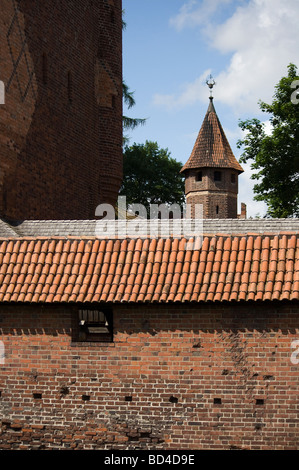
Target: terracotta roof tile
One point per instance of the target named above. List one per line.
(211, 148)
(224, 268)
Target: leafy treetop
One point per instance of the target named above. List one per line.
(275, 157)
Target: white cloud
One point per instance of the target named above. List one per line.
(233, 134)
(268, 127)
(190, 93)
(262, 38)
(194, 13)
(246, 194)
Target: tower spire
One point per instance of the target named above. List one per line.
(211, 172)
(211, 83)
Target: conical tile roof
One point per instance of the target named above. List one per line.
(211, 148)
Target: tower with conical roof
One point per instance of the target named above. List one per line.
(212, 171)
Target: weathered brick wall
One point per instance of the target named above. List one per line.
(175, 377)
(61, 125)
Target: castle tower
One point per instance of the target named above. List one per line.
(212, 170)
(61, 124)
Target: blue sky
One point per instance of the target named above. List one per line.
(171, 46)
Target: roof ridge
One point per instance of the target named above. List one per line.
(87, 238)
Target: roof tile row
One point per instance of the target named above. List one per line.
(222, 268)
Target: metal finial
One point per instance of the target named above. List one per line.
(211, 83)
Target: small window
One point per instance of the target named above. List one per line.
(2, 92)
(233, 178)
(45, 68)
(112, 16)
(70, 86)
(217, 175)
(95, 326)
(217, 210)
(259, 401)
(199, 176)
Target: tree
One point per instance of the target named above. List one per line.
(275, 157)
(129, 122)
(151, 176)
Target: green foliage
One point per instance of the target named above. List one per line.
(275, 157)
(130, 123)
(151, 176)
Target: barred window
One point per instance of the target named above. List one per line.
(95, 325)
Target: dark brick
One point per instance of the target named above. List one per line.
(61, 132)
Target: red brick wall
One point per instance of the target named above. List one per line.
(61, 125)
(222, 194)
(158, 385)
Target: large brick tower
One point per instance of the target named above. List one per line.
(212, 171)
(61, 124)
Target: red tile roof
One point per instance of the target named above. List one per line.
(224, 268)
(212, 148)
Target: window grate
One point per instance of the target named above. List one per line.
(95, 325)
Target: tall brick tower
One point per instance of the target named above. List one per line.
(212, 170)
(61, 124)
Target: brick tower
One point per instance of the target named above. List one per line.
(212, 171)
(61, 124)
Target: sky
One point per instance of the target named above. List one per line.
(170, 48)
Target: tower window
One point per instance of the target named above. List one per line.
(199, 176)
(233, 178)
(217, 210)
(112, 16)
(45, 68)
(70, 86)
(217, 175)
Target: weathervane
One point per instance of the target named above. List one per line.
(211, 83)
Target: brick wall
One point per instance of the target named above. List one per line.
(215, 205)
(219, 198)
(176, 377)
(61, 125)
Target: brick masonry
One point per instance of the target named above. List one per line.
(61, 125)
(203, 376)
(218, 198)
